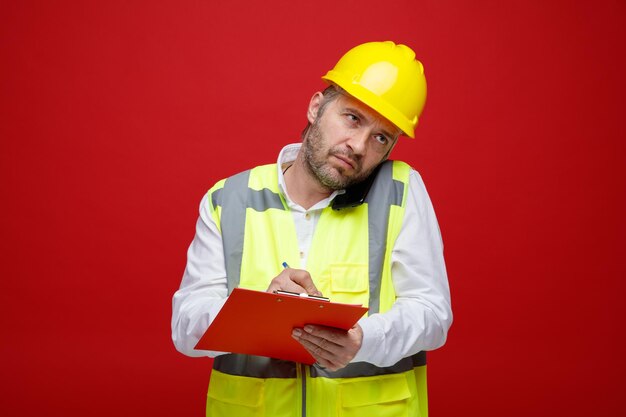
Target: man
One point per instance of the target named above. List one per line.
(353, 227)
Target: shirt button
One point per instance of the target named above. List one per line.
(307, 216)
(301, 254)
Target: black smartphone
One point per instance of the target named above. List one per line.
(355, 195)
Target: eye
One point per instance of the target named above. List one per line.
(382, 139)
(352, 118)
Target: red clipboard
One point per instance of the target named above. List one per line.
(260, 323)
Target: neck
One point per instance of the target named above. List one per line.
(302, 186)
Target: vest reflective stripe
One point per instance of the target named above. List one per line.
(234, 205)
(254, 366)
(262, 367)
(379, 199)
(261, 200)
(367, 369)
(234, 198)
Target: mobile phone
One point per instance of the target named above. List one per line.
(355, 194)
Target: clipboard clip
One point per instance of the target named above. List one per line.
(302, 295)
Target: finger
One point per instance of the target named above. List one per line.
(273, 287)
(322, 355)
(291, 286)
(331, 334)
(285, 283)
(329, 365)
(323, 358)
(303, 278)
(332, 366)
(322, 347)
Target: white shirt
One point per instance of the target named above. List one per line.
(418, 320)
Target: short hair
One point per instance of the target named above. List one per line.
(330, 94)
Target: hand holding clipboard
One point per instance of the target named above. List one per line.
(260, 323)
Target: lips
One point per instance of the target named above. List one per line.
(346, 160)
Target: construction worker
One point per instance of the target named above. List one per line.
(352, 226)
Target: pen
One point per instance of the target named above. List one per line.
(302, 295)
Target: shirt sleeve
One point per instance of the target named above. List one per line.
(203, 289)
(421, 316)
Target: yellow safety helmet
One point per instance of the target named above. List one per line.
(387, 78)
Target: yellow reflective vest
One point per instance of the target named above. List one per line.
(350, 262)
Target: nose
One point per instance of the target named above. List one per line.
(357, 141)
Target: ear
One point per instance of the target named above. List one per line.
(314, 106)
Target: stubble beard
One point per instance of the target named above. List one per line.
(316, 162)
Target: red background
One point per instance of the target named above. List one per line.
(117, 116)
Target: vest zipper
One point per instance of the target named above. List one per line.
(302, 371)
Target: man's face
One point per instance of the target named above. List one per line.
(346, 142)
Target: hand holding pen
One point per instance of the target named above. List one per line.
(294, 280)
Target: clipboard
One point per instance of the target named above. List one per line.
(260, 323)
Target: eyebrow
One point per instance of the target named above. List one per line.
(363, 116)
